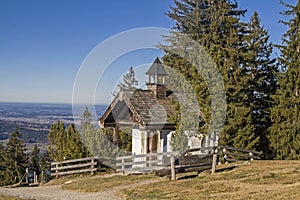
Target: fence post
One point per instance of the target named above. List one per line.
(92, 167)
(173, 172)
(35, 178)
(26, 176)
(225, 156)
(251, 156)
(214, 163)
(56, 170)
(123, 166)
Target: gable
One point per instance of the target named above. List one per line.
(138, 107)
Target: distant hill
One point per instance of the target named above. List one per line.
(34, 119)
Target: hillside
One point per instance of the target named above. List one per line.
(255, 180)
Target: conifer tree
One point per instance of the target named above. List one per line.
(45, 168)
(179, 140)
(2, 165)
(57, 139)
(99, 142)
(16, 161)
(74, 145)
(261, 81)
(87, 130)
(65, 143)
(35, 160)
(215, 25)
(129, 81)
(285, 115)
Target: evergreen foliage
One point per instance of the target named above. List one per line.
(262, 82)
(44, 168)
(179, 140)
(285, 115)
(34, 163)
(129, 81)
(15, 159)
(65, 143)
(2, 165)
(242, 54)
(99, 142)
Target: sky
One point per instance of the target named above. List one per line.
(46, 46)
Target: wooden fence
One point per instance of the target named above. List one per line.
(174, 162)
(82, 165)
(184, 161)
(231, 154)
(142, 162)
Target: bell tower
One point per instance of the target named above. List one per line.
(157, 79)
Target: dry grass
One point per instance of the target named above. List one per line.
(6, 197)
(258, 180)
(61, 180)
(100, 183)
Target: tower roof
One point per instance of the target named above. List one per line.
(156, 68)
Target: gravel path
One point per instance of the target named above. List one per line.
(55, 192)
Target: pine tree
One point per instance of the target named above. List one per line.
(129, 81)
(65, 144)
(261, 81)
(74, 146)
(216, 26)
(285, 115)
(35, 160)
(99, 142)
(87, 130)
(57, 139)
(16, 161)
(45, 168)
(2, 165)
(179, 140)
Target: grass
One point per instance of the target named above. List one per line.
(258, 180)
(255, 180)
(7, 197)
(61, 180)
(98, 184)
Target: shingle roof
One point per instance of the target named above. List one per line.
(139, 106)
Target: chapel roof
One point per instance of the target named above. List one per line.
(139, 107)
(157, 68)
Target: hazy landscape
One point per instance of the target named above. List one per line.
(34, 119)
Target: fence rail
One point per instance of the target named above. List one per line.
(75, 166)
(156, 161)
(145, 162)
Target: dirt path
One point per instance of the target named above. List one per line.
(55, 192)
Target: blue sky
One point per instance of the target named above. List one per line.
(44, 43)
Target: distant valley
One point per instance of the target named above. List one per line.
(34, 119)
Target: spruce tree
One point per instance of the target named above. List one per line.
(74, 146)
(2, 165)
(179, 140)
(35, 160)
(87, 130)
(129, 81)
(65, 143)
(99, 142)
(45, 168)
(216, 26)
(57, 140)
(261, 81)
(16, 161)
(285, 115)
